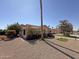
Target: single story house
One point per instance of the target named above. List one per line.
(25, 29)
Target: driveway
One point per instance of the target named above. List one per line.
(21, 49)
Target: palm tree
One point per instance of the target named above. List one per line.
(41, 12)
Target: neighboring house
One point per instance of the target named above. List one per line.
(25, 28)
(56, 31)
(75, 32)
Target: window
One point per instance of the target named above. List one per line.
(24, 32)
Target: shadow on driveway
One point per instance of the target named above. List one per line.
(32, 42)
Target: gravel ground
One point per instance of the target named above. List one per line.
(20, 49)
(71, 47)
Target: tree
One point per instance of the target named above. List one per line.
(66, 27)
(15, 27)
(3, 32)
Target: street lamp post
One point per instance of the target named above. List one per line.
(41, 12)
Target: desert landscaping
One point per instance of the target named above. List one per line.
(37, 49)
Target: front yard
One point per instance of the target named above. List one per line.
(38, 49)
(21, 49)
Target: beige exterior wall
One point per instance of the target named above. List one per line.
(27, 27)
(57, 31)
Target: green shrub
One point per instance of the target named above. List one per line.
(2, 32)
(15, 27)
(33, 34)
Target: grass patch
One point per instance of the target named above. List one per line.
(62, 39)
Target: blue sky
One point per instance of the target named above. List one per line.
(28, 12)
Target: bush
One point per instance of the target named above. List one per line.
(36, 34)
(11, 33)
(50, 35)
(2, 32)
(15, 27)
(33, 36)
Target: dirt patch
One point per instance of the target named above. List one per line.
(3, 38)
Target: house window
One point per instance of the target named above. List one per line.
(24, 32)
